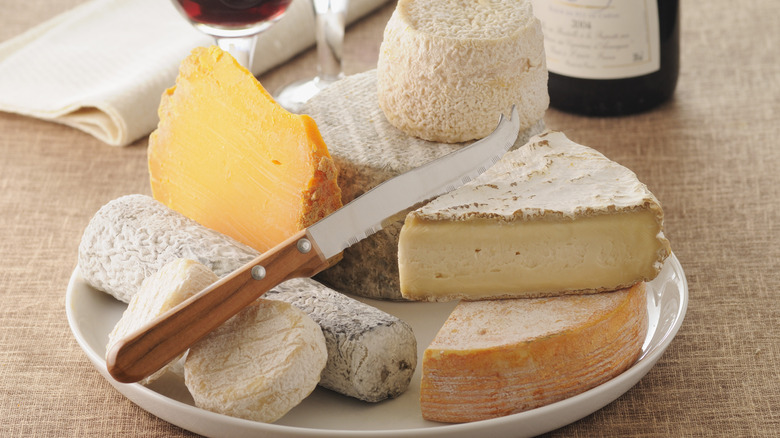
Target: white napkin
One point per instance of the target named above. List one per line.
(103, 66)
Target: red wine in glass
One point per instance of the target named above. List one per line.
(233, 23)
(233, 13)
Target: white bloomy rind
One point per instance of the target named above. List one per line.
(160, 292)
(259, 364)
(550, 175)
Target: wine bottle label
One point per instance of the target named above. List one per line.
(600, 39)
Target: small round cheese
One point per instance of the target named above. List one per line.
(447, 69)
(259, 364)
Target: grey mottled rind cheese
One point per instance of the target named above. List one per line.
(368, 150)
(132, 237)
(371, 354)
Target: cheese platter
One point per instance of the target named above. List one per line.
(557, 223)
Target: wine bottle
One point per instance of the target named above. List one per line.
(610, 57)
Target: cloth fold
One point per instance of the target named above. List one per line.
(102, 66)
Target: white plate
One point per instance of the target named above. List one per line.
(92, 315)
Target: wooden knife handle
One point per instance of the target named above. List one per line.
(142, 353)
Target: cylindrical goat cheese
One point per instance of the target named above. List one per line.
(446, 69)
(134, 236)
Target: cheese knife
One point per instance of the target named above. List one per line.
(304, 254)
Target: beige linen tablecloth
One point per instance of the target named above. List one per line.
(711, 156)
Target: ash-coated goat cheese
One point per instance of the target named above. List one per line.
(132, 237)
(372, 354)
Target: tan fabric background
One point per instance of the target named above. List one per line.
(711, 155)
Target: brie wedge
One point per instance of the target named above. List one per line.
(551, 218)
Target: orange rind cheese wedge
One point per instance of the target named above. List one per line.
(226, 155)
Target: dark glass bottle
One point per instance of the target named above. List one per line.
(583, 91)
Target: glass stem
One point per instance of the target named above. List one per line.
(242, 48)
(330, 18)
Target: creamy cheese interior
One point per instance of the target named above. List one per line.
(478, 259)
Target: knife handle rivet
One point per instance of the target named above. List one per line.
(304, 246)
(258, 272)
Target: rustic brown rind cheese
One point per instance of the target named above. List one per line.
(496, 358)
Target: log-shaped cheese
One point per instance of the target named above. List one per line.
(160, 292)
(132, 237)
(226, 155)
(259, 364)
(551, 218)
(371, 354)
(499, 357)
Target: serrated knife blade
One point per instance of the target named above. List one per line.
(304, 254)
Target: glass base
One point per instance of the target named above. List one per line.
(293, 96)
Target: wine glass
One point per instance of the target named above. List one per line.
(329, 17)
(234, 24)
